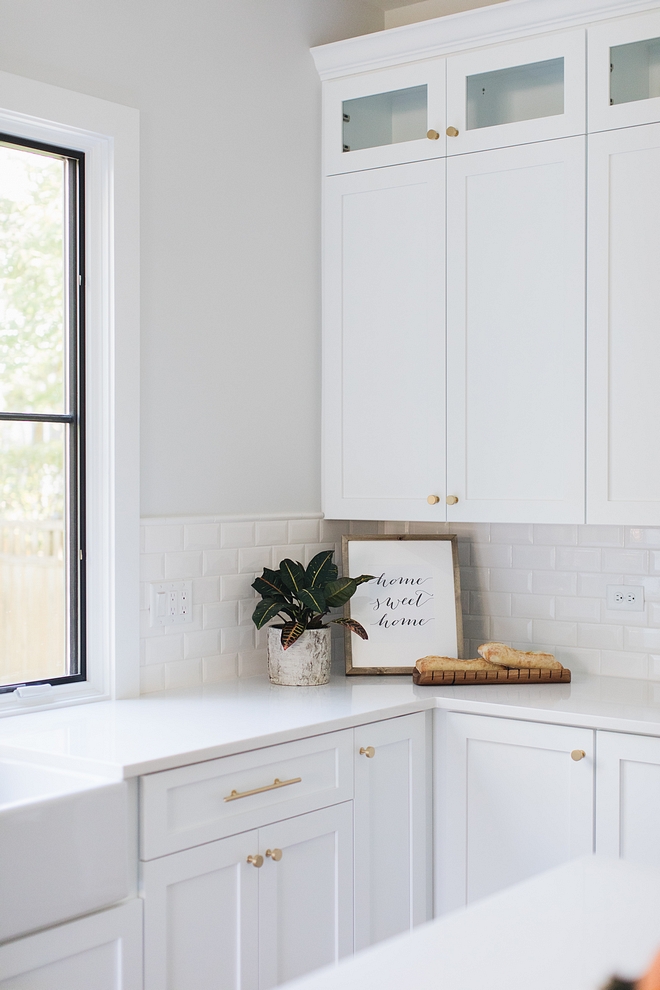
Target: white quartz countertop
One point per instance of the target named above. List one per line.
(121, 739)
(569, 929)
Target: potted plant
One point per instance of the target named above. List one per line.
(299, 647)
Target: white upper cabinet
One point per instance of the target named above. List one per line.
(511, 94)
(623, 413)
(624, 72)
(515, 333)
(384, 344)
(385, 117)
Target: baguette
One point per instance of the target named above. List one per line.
(505, 656)
(427, 664)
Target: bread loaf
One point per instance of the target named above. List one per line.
(506, 656)
(427, 664)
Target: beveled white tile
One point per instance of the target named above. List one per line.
(183, 674)
(476, 579)
(253, 663)
(580, 559)
(152, 566)
(534, 558)
(253, 559)
(217, 562)
(620, 664)
(476, 627)
(654, 666)
(626, 561)
(533, 606)
(304, 531)
(642, 639)
(236, 586)
(287, 552)
(220, 614)
(201, 536)
(600, 536)
(235, 639)
(490, 555)
(163, 538)
(219, 668)
(554, 582)
(597, 636)
(475, 532)
(595, 585)
(551, 534)
(579, 660)
(237, 534)
(152, 678)
(578, 609)
(513, 533)
(651, 587)
(557, 633)
(489, 603)
(204, 590)
(508, 629)
(204, 643)
(332, 530)
(183, 566)
(642, 536)
(267, 534)
(163, 649)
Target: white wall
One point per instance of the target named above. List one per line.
(230, 105)
(422, 10)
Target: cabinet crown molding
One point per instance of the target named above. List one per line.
(469, 29)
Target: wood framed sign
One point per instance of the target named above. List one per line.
(412, 606)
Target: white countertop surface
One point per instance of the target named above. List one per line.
(121, 739)
(569, 929)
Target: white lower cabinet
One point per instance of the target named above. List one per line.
(99, 952)
(510, 802)
(214, 921)
(628, 797)
(392, 828)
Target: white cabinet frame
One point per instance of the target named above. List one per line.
(622, 31)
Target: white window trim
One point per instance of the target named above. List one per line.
(109, 136)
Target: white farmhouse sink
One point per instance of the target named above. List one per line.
(63, 845)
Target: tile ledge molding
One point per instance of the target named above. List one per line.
(475, 28)
(247, 517)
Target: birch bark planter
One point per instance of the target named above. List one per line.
(306, 662)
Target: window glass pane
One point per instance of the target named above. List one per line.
(32, 552)
(635, 71)
(522, 92)
(32, 280)
(385, 118)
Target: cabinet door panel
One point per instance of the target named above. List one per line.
(100, 952)
(384, 367)
(624, 72)
(305, 898)
(513, 94)
(510, 802)
(515, 347)
(392, 883)
(201, 917)
(628, 797)
(623, 418)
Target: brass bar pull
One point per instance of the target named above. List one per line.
(235, 795)
(274, 854)
(256, 860)
(369, 752)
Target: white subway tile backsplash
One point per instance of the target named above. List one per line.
(578, 560)
(625, 561)
(535, 587)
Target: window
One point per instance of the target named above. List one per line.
(72, 160)
(41, 401)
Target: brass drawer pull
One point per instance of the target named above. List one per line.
(369, 752)
(274, 854)
(578, 754)
(235, 795)
(257, 861)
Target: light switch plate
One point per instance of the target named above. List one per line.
(625, 597)
(171, 603)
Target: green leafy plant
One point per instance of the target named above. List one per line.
(304, 596)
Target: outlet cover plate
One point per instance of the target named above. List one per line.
(170, 603)
(625, 597)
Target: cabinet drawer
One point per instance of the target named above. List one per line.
(206, 801)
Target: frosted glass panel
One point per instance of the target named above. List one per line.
(522, 92)
(385, 118)
(635, 71)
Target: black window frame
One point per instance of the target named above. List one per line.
(73, 419)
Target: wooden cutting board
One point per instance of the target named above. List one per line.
(528, 675)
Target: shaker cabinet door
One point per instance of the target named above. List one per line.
(624, 72)
(623, 318)
(392, 828)
(628, 797)
(510, 802)
(384, 344)
(515, 334)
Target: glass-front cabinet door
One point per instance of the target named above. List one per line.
(386, 117)
(530, 90)
(624, 72)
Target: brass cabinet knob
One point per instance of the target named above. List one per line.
(256, 860)
(274, 854)
(452, 499)
(433, 499)
(452, 132)
(432, 135)
(369, 752)
(578, 754)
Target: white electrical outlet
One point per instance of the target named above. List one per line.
(171, 603)
(625, 597)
